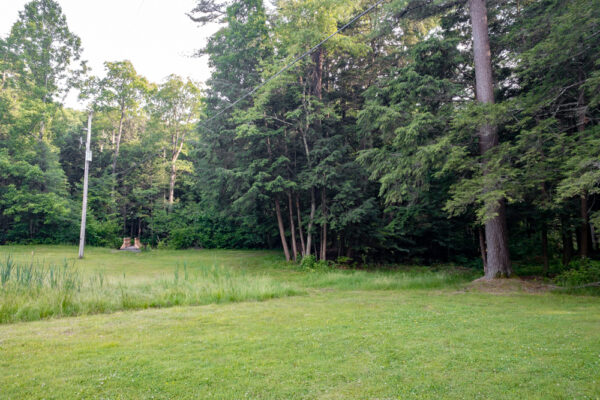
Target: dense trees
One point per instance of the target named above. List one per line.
(427, 130)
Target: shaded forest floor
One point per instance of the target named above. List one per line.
(337, 334)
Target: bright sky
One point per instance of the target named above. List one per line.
(155, 35)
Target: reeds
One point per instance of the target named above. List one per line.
(33, 291)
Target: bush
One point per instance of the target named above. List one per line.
(191, 226)
(310, 262)
(580, 272)
(103, 233)
(183, 238)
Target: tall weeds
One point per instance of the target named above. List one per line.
(32, 291)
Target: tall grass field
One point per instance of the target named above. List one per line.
(34, 290)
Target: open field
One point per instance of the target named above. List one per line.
(337, 334)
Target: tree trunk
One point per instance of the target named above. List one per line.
(317, 77)
(118, 142)
(300, 225)
(496, 235)
(323, 255)
(567, 242)
(593, 237)
(482, 248)
(286, 251)
(584, 229)
(545, 249)
(293, 228)
(42, 130)
(313, 209)
(177, 143)
(172, 184)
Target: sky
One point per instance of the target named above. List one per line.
(155, 35)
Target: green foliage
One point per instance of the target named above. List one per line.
(578, 273)
(103, 233)
(367, 148)
(190, 226)
(42, 50)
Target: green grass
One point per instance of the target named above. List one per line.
(352, 335)
(33, 290)
(107, 280)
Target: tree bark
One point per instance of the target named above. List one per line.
(292, 228)
(303, 247)
(567, 242)
(313, 209)
(177, 142)
(496, 235)
(317, 77)
(482, 248)
(584, 228)
(323, 255)
(172, 185)
(286, 251)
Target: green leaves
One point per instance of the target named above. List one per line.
(43, 51)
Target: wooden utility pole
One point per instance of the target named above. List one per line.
(88, 158)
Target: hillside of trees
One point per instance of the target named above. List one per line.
(423, 132)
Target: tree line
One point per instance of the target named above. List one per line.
(427, 130)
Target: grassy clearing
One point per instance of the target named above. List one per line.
(353, 335)
(108, 281)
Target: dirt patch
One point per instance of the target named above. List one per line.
(534, 285)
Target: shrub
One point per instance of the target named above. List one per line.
(310, 262)
(579, 273)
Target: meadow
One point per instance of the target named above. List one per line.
(244, 324)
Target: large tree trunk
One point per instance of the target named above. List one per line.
(286, 251)
(584, 228)
(496, 235)
(292, 228)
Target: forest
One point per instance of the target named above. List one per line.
(361, 199)
(425, 131)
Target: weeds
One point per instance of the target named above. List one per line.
(34, 291)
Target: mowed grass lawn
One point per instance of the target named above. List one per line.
(335, 335)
